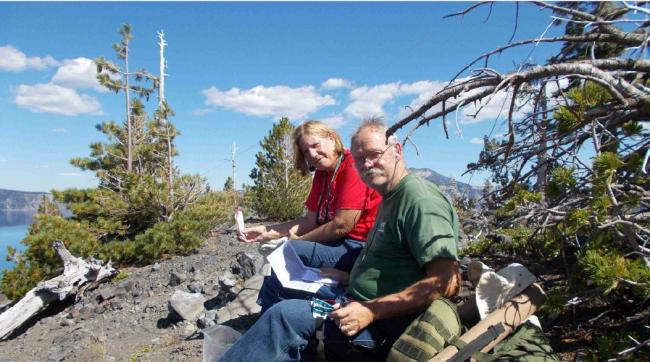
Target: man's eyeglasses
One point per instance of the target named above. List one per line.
(373, 157)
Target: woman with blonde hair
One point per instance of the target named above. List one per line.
(340, 211)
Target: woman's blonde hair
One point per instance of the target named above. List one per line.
(314, 128)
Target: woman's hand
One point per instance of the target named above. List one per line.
(336, 274)
(256, 234)
(292, 234)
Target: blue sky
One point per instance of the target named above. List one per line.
(235, 68)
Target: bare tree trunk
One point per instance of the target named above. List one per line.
(129, 148)
(542, 172)
(161, 103)
(76, 274)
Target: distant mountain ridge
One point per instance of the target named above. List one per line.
(446, 184)
(12, 200)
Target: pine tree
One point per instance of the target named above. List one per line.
(229, 185)
(116, 79)
(279, 189)
(142, 209)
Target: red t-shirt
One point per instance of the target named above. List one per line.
(347, 192)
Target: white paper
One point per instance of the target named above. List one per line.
(292, 273)
(239, 222)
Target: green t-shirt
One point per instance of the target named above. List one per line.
(415, 225)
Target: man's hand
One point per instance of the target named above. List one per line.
(338, 275)
(256, 234)
(352, 317)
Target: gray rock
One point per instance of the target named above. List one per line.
(56, 356)
(243, 265)
(66, 322)
(119, 293)
(106, 292)
(176, 278)
(155, 267)
(198, 276)
(208, 320)
(195, 288)
(227, 281)
(127, 285)
(244, 304)
(188, 306)
(189, 329)
(85, 312)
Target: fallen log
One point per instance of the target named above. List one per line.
(78, 275)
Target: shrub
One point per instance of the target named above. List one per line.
(40, 260)
(279, 189)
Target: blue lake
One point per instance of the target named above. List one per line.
(13, 228)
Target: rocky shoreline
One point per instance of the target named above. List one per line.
(134, 317)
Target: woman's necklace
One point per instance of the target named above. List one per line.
(327, 196)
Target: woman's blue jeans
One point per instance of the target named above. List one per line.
(283, 332)
(339, 254)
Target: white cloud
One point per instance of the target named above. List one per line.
(51, 98)
(498, 106)
(13, 60)
(425, 90)
(59, 130)
(334, 83)
(476, 140)
(552, 87)
(202, 111)
(369, 101)
(334, 121)
(78, 73)
(276, 101)
(70, 174)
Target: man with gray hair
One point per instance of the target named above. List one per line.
(410, 260)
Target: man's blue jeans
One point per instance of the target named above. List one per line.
(338, 254)
(283, 332)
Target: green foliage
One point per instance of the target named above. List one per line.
(522, 197)
(575, 219)
(608, 269)
(120, 276)
(562, 182)
(556, 299)
(605, 166)
(229, 185)
(610, 344)
(185, 232)
(581, 99)
(40, 260)
(583, 50)
(480, 247)
(139, 212)
(522, 244)
(279, 190)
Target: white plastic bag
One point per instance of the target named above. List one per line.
(217, 340)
